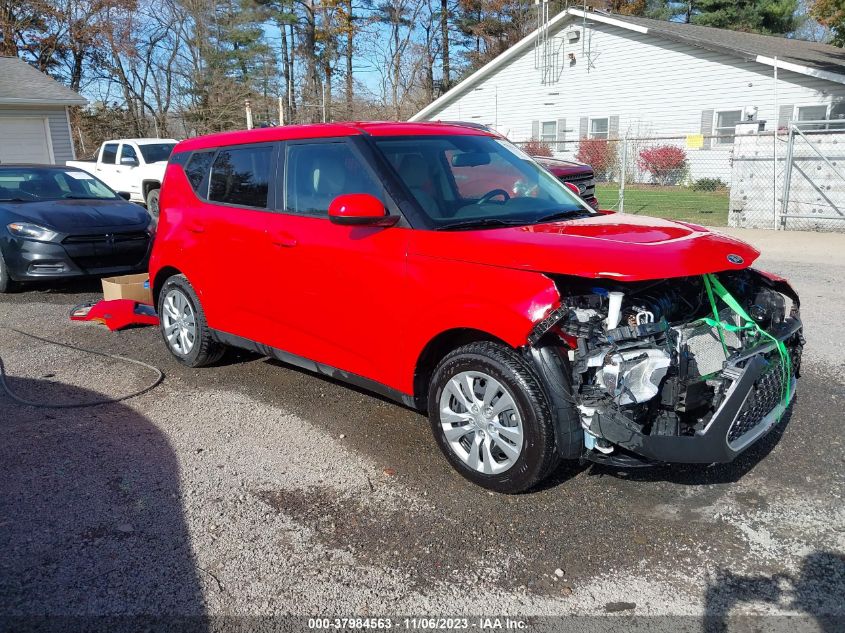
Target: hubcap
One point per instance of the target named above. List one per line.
(178, 322)
(481, 423)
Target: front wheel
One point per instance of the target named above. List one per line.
(491, 418)
(6, 283)
(152, 202)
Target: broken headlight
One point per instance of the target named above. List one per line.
(633, 376)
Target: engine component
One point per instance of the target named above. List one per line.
(614, 309)
(768, 308)
(633, 376)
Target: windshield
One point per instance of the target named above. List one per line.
(34, 184)
(474, 181)
(156, 152)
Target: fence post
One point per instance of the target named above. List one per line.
(622, 175)
(787, 179)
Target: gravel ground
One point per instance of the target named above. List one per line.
(253, 488)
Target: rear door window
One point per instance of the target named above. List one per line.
(109, 153)
(316, 173)
(241, 176)
(127, 151)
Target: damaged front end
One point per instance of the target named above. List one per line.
(691, 369)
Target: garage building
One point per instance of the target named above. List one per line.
(34, 123)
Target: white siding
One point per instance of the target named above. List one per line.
(656, 86)
(59, 129)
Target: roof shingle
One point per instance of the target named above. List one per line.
(20, 83)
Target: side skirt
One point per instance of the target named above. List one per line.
(315, 367)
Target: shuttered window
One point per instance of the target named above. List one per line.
(599, 128)
(548, 132)
(726, 121)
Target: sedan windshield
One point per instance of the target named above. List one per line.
(156, 152)
(468, 182)
(34, 184)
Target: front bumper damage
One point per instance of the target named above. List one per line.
(654, 389)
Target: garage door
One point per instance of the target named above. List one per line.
(24, 140)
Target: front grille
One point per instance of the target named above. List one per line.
(586, 183)
(103, 238)
(767, 393)
(106, 251)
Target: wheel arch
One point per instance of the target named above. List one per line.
(149, 185)
(436, 349)
(162, 275)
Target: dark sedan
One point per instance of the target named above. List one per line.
(59, 222)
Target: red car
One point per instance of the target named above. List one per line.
(530, 327)
(578, 175)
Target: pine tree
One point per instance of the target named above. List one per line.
(769, 17)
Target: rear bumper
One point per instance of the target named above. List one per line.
(28, 260)
(751, 407)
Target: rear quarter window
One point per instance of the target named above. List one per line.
(197, 169)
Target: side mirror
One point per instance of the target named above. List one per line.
(360, 209)
(124, 194)
(128, 161)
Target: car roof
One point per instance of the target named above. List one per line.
(38, 166)
(142, 141)
(327, 130)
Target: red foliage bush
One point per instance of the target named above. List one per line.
(665, 163)
(535, 147)
(599, 154)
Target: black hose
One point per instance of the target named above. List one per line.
(78, 405)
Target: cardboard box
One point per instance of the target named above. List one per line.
(135, 287)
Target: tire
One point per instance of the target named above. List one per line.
(152, 202)
(183, 325)
(524, 422)
(6, 283)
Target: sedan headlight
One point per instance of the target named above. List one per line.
(31, 231)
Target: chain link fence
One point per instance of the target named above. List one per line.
(790, 179)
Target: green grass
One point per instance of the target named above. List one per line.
(675, 203)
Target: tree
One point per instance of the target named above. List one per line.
(628, 7)
(831, 14)
(769, 17)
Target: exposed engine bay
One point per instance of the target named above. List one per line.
(665, 370)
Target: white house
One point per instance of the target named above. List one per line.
(599, 75)
(34, 123)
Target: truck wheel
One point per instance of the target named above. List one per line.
(491, 418)
(6, 283)
(183, 325)
(152, 202)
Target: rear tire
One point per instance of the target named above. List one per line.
(491, 418)
(152, 202)
(183, 325)
(6, 283)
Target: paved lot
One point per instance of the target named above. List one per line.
(255, 488)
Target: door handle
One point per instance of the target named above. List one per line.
(196, 227)
(281, 238)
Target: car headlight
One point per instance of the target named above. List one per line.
(31, 231)
(633, 375)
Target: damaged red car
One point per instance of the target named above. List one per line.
(530, 327)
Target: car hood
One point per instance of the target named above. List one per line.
(74, 216)
(613, 246)
(558, 162)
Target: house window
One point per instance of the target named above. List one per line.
(599, 128)
(811, 113)
(548, 132)
(837, 116)
(725, 129)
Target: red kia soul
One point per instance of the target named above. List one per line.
(530, 327)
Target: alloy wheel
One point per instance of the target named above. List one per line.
(179, 322)
(481, 422)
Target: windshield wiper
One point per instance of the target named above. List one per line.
(480, 223)
(84, 198)
(14, 200)
(559, 215)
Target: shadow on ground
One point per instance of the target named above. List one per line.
(815, 592)
(91, 522)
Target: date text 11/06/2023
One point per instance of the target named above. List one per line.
(418, 624)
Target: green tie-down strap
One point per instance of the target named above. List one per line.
(715, 288)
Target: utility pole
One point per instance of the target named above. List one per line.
(248, 107)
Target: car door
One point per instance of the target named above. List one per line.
(127, 177)
(106, 166)
(337, 291)
(232, 230)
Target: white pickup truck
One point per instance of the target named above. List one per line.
(132, 165)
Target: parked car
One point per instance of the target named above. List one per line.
(578, 175)
(59, 222)
(132, 165)
(529, 326)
